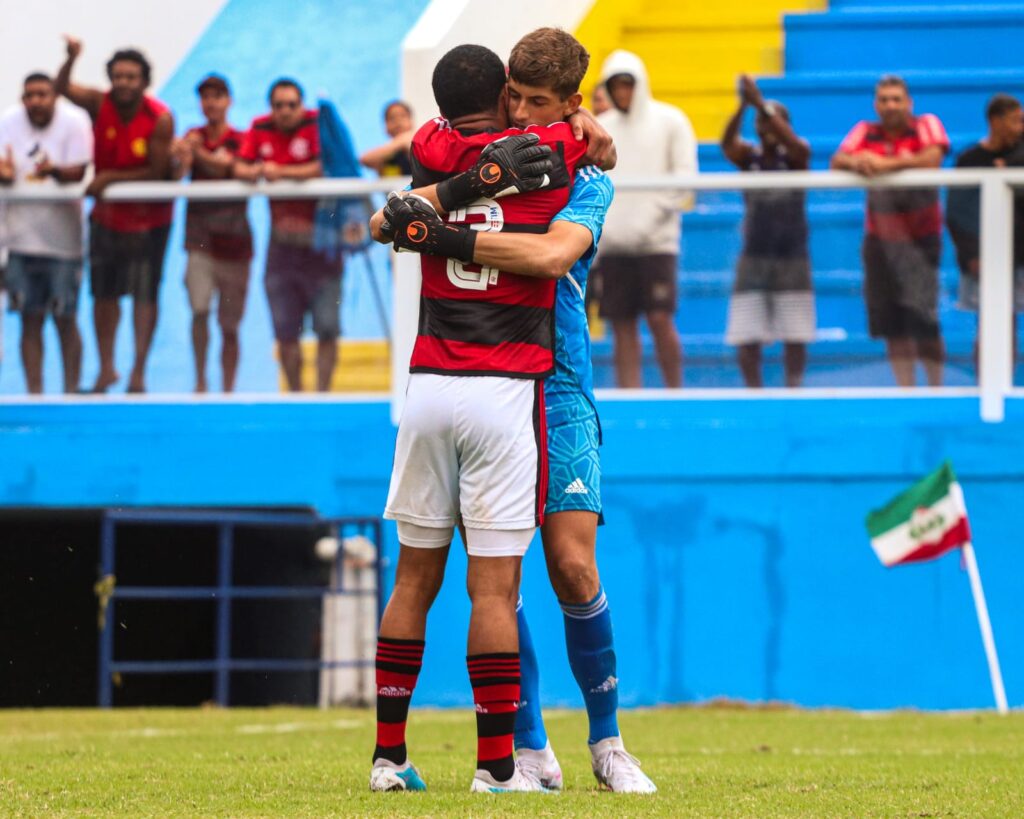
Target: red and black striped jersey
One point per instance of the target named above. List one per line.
(265, 142)
(900, 214)
(477, 320)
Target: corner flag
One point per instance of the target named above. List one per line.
(922, 523)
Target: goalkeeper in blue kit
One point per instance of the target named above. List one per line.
(545, 69)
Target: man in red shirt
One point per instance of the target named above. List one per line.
(217, 234)
(903, 230)
(133, 134)
(285, 144)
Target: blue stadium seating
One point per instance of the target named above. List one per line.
(954, 56)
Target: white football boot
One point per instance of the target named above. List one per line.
(618, 770)
(540, 765)
(483, 782)
(387, 776)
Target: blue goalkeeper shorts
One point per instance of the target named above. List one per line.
(574, 461)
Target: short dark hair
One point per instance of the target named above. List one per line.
(1001, 104)
(130, 55)
(283, 82)
(397, 104)
(468, 80)
(549, 58)
(887, 80)
(38, 76)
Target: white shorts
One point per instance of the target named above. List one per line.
(764, 317)
(470, 449)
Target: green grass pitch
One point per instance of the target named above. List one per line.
(707, 762)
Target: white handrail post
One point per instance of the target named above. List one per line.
(995, 316)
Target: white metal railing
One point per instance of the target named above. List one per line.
(995, 375)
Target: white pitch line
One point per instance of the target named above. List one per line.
(292, 727)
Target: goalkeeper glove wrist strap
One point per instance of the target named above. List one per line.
(456, 192)
(457, 242)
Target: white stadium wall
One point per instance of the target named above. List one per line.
(31, 37)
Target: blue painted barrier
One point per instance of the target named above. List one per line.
(734, 557)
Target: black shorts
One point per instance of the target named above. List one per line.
(123, 263)
(633, 285)
(901, 287)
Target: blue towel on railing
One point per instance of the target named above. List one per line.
(339, 159)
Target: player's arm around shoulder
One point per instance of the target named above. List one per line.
(546, 255)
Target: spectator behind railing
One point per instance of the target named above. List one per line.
(300, 279)
(772, 298)
(218, 239)
(392, 158)
(45, 142)
(599, 102)
(639, 252)
(1002, 148)
(903, 237)
(133, 134)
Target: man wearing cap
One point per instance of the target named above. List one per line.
(217, 234)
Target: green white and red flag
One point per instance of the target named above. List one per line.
(922, 523)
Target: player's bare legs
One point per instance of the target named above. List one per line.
(628, 353)
(493, 586)
(418, 579)
(570, 539)
(399, 659)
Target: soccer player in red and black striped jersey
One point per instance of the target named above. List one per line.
(903, 230)
(217, 234)
(471, 445)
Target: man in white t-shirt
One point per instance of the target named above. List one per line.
(43, 143)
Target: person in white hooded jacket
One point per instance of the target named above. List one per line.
(640, 247)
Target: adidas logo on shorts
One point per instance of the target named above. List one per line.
(577, 487)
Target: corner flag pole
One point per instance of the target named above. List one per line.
(986, 628)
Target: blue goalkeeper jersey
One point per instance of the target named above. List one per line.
(588, 204)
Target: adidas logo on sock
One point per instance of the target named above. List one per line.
(608, 685)
(577, 487)
(393, 691)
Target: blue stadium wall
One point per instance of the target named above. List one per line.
(734, 556)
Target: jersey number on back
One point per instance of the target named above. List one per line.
(484, 215)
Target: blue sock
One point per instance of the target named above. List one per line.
(588, 638)
(529, 732)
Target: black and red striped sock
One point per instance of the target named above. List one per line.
(495, 679)
(398, 666)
